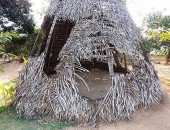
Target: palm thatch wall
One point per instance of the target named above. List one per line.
(76, 30)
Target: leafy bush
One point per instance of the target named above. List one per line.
(2, 109)
(13, 44)
(5, 40)
(7, 92)
(22, 44)
(149, 44)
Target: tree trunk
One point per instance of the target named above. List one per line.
(168, 55)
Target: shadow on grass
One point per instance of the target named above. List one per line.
(9, 121)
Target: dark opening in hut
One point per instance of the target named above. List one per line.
(60, 35)
(61, 32)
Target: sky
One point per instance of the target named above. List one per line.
(141, 8)
(137, 8)
(38, 7)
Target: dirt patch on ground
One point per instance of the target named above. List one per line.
(156, 117)
(11, 71)
(98, 84)
(163, 70)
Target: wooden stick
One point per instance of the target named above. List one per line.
(50, 35)
(33, 48)
(125, 61)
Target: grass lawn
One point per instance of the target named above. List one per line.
(9, 121)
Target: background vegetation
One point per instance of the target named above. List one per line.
(156, 31)
(16, 15)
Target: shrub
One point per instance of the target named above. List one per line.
(13, 44)
(7, 92)
(5, 42)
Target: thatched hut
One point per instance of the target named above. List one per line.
(83, 38)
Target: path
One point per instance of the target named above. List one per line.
(163, 70)
(11, 71)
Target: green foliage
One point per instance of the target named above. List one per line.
(8, 56)
(157, 33)
(7, 91)
(164, 37)
(157, 20)
(5, 37)
(159, 52)
(22, 44)
(32, 39)
(153, 20)
(5, 43)
(16, 15)
(149, 44)
(3, 109)
(18, 44)
(24, 59)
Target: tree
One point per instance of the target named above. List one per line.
(15, 15)
(157, 32)
(164, 38)
(5, 38)
(158, 21)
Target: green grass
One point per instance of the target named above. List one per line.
(165, 81)
(9, 121)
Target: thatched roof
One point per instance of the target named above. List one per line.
(110, 17)
(75, 10)
(90, 33)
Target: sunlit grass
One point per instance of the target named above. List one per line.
(165, 84)
(10, 121)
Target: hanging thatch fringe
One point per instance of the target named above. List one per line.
(59, 96)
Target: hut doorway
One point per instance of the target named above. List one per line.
(61, 32)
